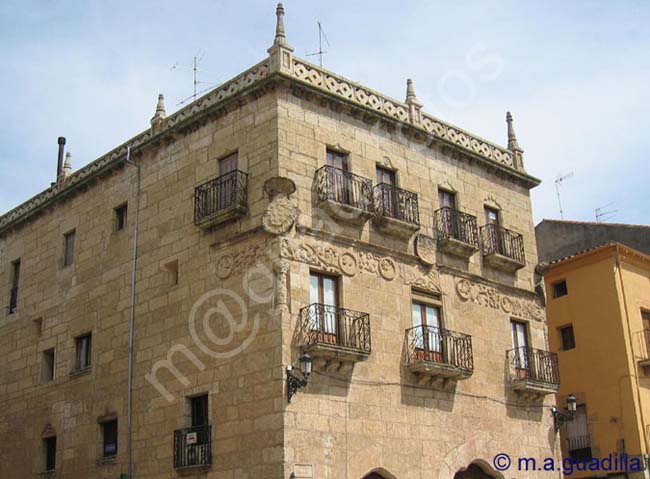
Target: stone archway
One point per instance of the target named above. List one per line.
(473, 471)
(374, 475)
(379, 474)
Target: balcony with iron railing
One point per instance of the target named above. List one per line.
(13, 300)
(344, 195)
(221, 199)
(396, 210)
(457, 232)
(335, 333)
(502, 249)
(439, 353)
(193, 447)
(533, 371)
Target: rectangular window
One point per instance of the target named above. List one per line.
(68, 252)
(426, 331)
(49, 452)
(13, 293)
(120, 217)
(447, 199)
(200, 414)
(47, 367)
(491, 216)
(324, 293)
(560, 289)
(568, 340)
(84, 351)
(109, 433)
(228, 164)
(337, 159)
(645, 319)
(387, 176)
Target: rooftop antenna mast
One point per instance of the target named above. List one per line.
(320, 52)
(196, 60)
(558, 182)
(602, 214)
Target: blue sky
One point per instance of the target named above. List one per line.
(574, 74)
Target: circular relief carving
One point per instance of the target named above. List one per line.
(387, 269)
(279, 216)
(425, 249)
(464, 289)
(348, 264)
(506, 305)
(225, 266)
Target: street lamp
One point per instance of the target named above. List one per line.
(560, 417)
(294, 382)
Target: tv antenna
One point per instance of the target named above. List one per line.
(558, 182)
(603, 214)
(196, 60)
(320, 52)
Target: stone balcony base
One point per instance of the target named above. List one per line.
(222, 216)
(503, 263)
(395, 227)
(435, 369)
(347, 213)
(457, 247)
(534, 388)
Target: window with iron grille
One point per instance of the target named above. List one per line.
(49, 453)
(47, 368)
(13, 293)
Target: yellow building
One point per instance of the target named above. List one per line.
(598, 312)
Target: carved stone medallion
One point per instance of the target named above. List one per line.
(425, 249)
(281, 214)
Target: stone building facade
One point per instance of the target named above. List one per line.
(288, 211)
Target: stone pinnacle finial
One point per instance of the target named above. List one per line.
(160, 114)
(415, 107)
(512, 136)
(67, 165)
(280, 37)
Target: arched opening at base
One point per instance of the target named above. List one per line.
(379, 474)
(474, 471)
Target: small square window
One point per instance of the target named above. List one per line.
(109, 433)
(172, 272)
(49, 453)
(560, 289)
(120, 217)
(567, 337)
(68, 252)
(48, 368)
(84, 351)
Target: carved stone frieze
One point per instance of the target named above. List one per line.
(350, 261)
(239, 261)
(492, 298)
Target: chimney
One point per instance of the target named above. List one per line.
(59, 165)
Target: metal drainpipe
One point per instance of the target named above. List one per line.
(134, 260)
(629, 330)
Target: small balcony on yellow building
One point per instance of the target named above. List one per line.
(221, 199)
(533, 371)
(642, 339)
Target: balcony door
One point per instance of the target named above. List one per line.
(448, 218)
(645, 320)
(427, 335)
(228, 188)
(577, 435)
(340, 185)
(323, 296)
(389, 198)
(520, 348)
(495, 238)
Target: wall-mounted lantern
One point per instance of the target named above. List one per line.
(294, 382)
(560, 417)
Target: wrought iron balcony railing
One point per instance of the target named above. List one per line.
(502, 241)
(427, 343)
(454, 224)
(578, 442)
(533, 365)
(193, 446)
(13, 300)
(326, 325)
(343, 187)
(220, 194)
(396, 203)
